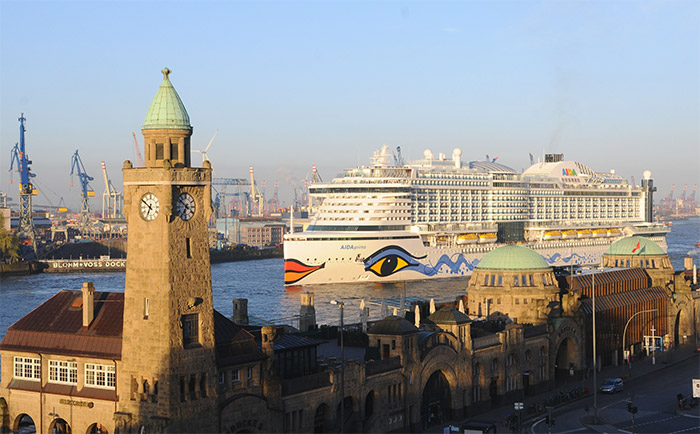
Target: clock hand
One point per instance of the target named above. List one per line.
(147, 204)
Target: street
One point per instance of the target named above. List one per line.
(654, 395)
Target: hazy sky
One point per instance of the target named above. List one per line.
(612, 84)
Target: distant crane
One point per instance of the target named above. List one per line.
(26, 189)
(138, 153)
(532, 159)
(87, 192)
(220, 196)
(398, 159)
(205, 157)
(111, 198)
(255, 195)
(274, 203)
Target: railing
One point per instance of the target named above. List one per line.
(485, 341)
(305, 383)
(379, 366)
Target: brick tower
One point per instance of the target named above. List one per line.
(167, 377)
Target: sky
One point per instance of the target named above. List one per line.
(287, 85)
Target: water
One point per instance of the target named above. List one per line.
(261, 283)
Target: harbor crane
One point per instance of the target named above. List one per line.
(26, 188)
(256, 196)
(138, 153)
(220, 196)
(111, 198)
(87, 192)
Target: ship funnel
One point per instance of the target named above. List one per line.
(457, 158)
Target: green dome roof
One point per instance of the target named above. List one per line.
(167, 109)
(512, 258)
(635, 246)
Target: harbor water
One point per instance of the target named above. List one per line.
(261, 282)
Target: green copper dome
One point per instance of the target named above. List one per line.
(635, 246)
(512, 258)
(167, 109)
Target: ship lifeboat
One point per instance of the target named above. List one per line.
(467, 239)
(486, 238)
(614, 232)
(552, 235)
(584, 233)
(569, 233)
(599, 233)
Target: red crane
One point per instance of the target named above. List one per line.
(138, 153)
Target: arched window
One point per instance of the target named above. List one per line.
(541, 365)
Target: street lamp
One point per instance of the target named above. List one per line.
(341, 305)
(624, 334)
(595, 361)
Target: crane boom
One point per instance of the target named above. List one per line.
(78, 168)
(138, 153)
(26, 189)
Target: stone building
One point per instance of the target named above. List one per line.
(159, 358)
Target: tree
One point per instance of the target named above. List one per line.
(9, 243)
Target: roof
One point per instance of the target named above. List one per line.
(623, 299)
(449, 315)
(290, 342)
(234, 345)
(513, 257)
(392, 325)
(56, 327)
(635, 246)
(167, 109)
(490, 166)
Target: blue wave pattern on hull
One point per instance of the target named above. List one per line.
(566, 259)
(454, 267)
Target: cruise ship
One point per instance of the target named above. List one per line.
(437, 217)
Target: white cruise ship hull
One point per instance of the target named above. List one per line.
(313, 260)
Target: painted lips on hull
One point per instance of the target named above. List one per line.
(295, 270)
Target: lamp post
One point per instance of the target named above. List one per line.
(595, 367)
(341, 305)
(624, 334)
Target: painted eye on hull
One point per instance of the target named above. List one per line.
(390, 260)
(388, 265)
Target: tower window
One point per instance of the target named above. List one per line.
(173, 151)
(188, 246)
(190, 330)
(159, 151)
(146, 307)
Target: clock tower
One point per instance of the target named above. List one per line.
(168, 367)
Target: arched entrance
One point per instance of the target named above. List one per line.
(369, 406)
(24, 424)
(321, 418)
(436, 403)
(97, 428)
(59, 426)
(347, 415)
(681, 328)
(566, 361)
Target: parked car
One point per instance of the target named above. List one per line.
(612, 385)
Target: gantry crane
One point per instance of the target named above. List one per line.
(26, 189)
(111, 198)
(220, 196)
(87, 192)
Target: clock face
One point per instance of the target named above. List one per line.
(185, 206)
(149, 206)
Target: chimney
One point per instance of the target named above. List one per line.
(88, 291)
(688, 263)
(240, 311)
(307, 312)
